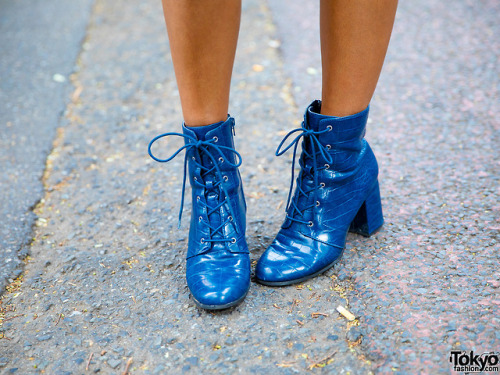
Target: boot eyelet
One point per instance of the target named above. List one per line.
(202, 240)
(230, 218)
(200, 219)
(221, 159)
(327, 166)
(328, 147)
(225, 178)
(194, 178)
(233, 240)
(215, 139)
(193, 158)
(310, 224)
(322, 184)
(317, 203)
(329, 127)
(198, 198)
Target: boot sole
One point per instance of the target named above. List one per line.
(296, 281)
(364, 233)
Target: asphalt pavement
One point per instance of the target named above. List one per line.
(103, 289)
(39, 44)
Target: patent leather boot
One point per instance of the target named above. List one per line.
(218, 263)
(336, 191)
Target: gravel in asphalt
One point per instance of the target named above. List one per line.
(428, 283)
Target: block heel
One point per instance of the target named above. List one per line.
(369, 218)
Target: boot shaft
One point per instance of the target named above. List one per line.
(221, 136)
(217, 192)
(342, 137)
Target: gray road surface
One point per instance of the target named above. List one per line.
(39, 43)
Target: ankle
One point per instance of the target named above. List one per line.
(328, 108)
(202, 130)
(204, 118)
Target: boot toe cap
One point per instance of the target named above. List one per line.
(218, 283)
(281, 264)
(290, 260)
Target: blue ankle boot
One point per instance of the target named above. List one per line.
(218, 262)
(336, 191)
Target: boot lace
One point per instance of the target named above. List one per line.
(213, 152)
(294, 211)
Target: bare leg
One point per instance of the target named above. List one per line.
(203, 37)
(354, 39)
